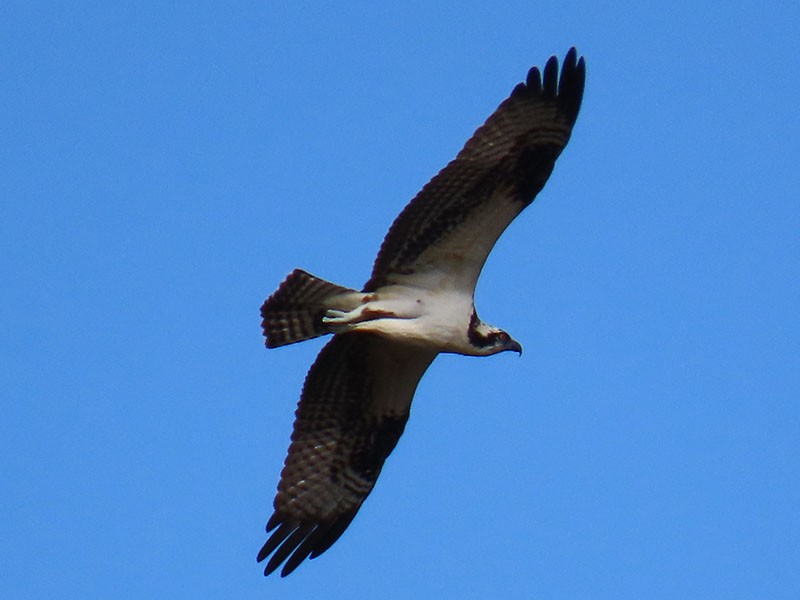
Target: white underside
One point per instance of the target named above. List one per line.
(412, 315)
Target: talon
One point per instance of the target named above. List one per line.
(333, 316)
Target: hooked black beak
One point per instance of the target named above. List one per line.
(515, 346)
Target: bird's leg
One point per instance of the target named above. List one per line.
(342, 318)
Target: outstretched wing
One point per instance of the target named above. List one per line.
(449, 228)
(352, 411)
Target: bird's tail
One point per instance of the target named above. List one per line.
(294, 312)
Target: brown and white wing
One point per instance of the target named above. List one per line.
(449, 228)
(353, 409)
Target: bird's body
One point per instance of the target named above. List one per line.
(416, 315)
(419, 302)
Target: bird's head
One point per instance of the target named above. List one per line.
(486, 339)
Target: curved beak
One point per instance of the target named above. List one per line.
(515, 346)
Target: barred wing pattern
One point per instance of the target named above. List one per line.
(352, 411)
(450, 227)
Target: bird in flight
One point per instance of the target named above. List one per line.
(418, 302)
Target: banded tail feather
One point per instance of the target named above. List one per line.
(294, 312)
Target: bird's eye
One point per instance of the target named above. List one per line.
(503, 337)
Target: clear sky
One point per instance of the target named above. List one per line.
(165, 165)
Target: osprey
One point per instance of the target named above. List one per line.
(417, 303)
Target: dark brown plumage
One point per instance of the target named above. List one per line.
(346, 425)
(515, 149)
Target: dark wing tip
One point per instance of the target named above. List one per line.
(550, 79)
(566, 88)
(572, 82)
(294, 542)
(287, 547)
(534, 81)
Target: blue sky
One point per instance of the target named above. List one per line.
(165, 165)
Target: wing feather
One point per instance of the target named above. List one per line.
(352, 411)
(450, 227)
